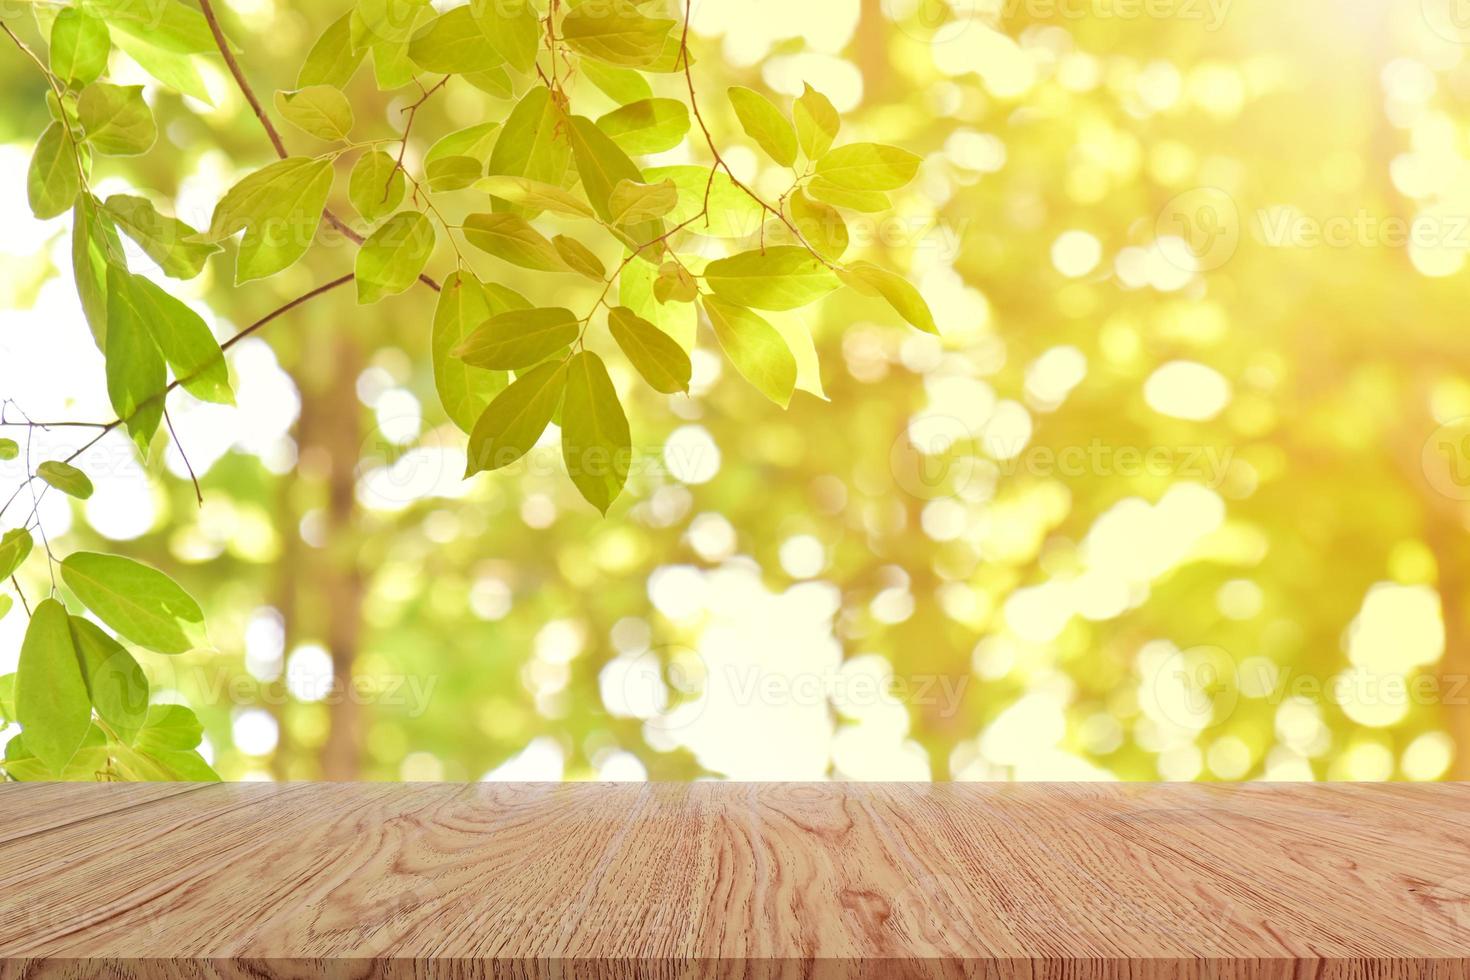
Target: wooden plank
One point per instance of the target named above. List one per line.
(1071, 882)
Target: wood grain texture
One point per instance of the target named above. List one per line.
(715, 880)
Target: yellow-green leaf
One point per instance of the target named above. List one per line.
(511, 237)
(595, 442)
(579, 258)
(453, 173)
(615, 33)
(136, 373)
(15, 546)
(181, 335)
(869, 167)
(821, 225)
(377, 185)
(513, 27)
(52, 182)
(278, 207)
(477, 142)
(765, 124)
(533, 142)
(66, 478)
(393, 256)
(516, 418)
(453, 44)
(50, 694)
(647, 126)
(654, 354)
(332, 60)
(817, 122)
(868, 202)
(140, 603)
(534, 195)
(517, 339)
(80, 44)
(116, 119)
(9, 449)
(898, 291)
(732, 213)
(782, 277)
(95, 247)
(173, 245)
(755, 348)
(632, 202)
(317, 110)
(115, 683)
(464, 391)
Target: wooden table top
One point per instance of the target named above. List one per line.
(735, 880)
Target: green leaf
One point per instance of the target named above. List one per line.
(66, 478)
(453, 173)
(868, 202)
(622, 85)
(393, 256)
(278, 207)
(464, 391)
(171, 244)
(52, 182)
(533, 195)
(637, 291)
(165, 24)
(511, 237)
(516, 418)
(116, 685)
(654, 354)
(7, 692)
(647, 126)
(517, 339)
(782, 277)
(136, 373)
(765, 124)
(817, 122)
(513, 28)
(181, 335)
(492, 81)
(94, 247)
(377, 185)
(632, 202)
(332, 59)
(177, 71)
(87, 765)
(615, 33)
(476, 142)
(533, 142)
(80, 44)
(579, 258)
(317, 110)
(899, 292)
(116, 119)
(15, 547)
(166, 748)
(9, 449)
(6, 603)
(453, 44)
(50, 695)
(595, 442)
(732, 213)
(821, 225)
(140, 603)
(674, 284)
(602, 164)
(868, 167)
(755, 348)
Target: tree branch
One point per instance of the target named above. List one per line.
(273, 315)
(223, 43)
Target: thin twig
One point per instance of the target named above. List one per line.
(221, 42)
(23, 604)
(274, 314)
(168, 420)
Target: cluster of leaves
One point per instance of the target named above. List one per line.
(504, 367)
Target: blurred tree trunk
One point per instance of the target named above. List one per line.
(331, 423)
(870, 49)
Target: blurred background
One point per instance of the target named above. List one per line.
(1182, 492)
